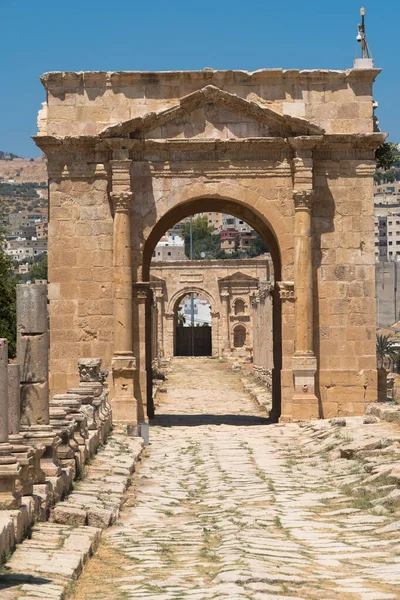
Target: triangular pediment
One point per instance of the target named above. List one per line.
(238, 277)
(207, 104)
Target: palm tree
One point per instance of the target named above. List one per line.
(181, 319)
(386, 355)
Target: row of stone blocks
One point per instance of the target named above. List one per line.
(43, 443)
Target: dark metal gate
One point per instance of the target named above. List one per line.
(193, 341)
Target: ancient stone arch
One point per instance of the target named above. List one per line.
(239, 334)
(290, 152)
(239, 306)
(217, 281)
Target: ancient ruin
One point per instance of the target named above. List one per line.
(290, 152)
(230, 287)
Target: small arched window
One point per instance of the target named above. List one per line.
(239, 307)
(239, 336)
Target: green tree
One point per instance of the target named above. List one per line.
(205, 239)
(387, 155)
(386, 354)
(8, 281)
(181, 319)
(389, 176)
(38, 271)
(257, 247)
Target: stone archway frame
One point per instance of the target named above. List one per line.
(173, 305)
(108, 159)
(245, 304)
(236, 324)
(236, 199)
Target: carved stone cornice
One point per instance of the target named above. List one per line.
(122, 201)
(286, 290)
(303, 199)
(304, 143)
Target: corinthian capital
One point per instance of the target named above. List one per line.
(303, 198)
(121, 201)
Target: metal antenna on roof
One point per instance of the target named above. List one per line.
(361, 36)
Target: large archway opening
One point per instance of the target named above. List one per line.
(238, 311)
(192, 325)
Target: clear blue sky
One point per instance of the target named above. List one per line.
(50, 35)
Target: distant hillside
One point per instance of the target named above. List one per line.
(22, 170)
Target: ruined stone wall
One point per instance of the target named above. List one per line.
(86, 103)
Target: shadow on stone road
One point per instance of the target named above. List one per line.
(203, 419)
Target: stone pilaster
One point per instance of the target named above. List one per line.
(225, 320)
(215, 333)
(140, 297)
(9, 467)
(304, 362)
(33, 357)
(160, 322)
(124, 404)
(169, 335)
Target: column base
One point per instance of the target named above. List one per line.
(44, 439)
(305, 404)
(25, 456)
(124, 404)
(9, 471)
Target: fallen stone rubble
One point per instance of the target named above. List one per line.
(373, 445)
(45, 565)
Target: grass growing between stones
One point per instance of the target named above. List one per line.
(102, 576)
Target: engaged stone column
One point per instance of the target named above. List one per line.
(160, 323)
(123, 363)
(169, 337)
(9, 467)
(141, 292)
(225, 320)
(32, 355)
(214, 332)
(304, 363)
(303, 271)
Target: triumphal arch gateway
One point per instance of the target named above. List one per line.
(290, 152)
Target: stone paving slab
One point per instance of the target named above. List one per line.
(228, 506)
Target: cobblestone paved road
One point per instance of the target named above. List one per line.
(226, 506)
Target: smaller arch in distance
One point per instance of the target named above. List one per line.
(177, 298)
(240, 302)
(240, 334)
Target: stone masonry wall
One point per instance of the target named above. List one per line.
(85, 103)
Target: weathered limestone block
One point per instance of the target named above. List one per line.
(32, 353)
(65, 409)
(9, 467)
(31, 309)
(23, 453)
(14, 395)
